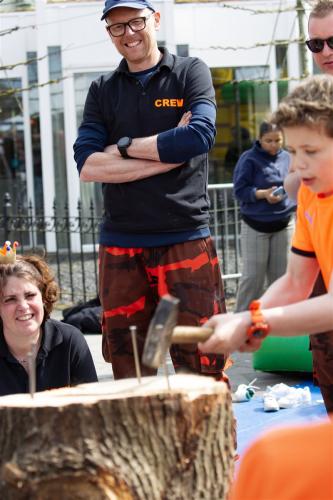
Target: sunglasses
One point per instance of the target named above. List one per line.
(316, 45)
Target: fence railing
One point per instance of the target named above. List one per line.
(70, 244)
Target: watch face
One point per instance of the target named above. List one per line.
(259, 334)
(124, 142)
(258, 331)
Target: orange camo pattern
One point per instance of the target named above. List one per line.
(132, 280)
(160, 272)
(123, 251)
(127, 310)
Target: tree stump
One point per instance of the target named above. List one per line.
(119, 440)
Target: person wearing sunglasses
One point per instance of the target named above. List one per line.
(146, 131)
(320, 43)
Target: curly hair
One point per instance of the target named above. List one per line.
(35, 270)
(310, 104)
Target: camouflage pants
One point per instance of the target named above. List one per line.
(132, 280)
(322, 353)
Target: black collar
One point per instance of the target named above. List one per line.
(51, 337)
(167, 61)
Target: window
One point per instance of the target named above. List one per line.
(242, 103)
(182, 50)
(281, 56)
(12, 153)
(35, 133)
(90, 192)
(58, 129)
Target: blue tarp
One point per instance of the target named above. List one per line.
(252, 420)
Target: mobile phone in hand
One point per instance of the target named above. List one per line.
(280, 191)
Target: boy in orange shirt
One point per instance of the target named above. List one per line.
(320, 30)
(306, 117)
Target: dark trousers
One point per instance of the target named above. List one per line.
(322, 353)
(132, 280)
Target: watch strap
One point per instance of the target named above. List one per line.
(123, 152)
(259, 327)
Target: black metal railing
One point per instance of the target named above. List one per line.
(74, 262)
(70, 244)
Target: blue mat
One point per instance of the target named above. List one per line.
(252, 420)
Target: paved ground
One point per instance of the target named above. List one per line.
(242, 373)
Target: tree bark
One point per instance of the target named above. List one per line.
(119, 440)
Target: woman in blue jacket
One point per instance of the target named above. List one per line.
(266, 213)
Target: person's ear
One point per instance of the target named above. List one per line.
(157, 18)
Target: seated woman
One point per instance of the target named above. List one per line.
(61, 354)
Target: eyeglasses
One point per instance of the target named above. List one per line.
(136, 24)
(316, 45)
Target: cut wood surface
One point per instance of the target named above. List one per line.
(119, 440)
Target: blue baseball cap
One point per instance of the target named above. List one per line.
(133, 4)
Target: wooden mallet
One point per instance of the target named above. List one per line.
(163, 332)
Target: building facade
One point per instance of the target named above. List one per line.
(52, 50)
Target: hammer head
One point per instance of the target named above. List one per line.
(160, 331)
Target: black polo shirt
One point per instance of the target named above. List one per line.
(63, 359)
(118, 105)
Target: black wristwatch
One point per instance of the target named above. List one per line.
(123, 144)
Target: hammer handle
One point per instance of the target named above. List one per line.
(190, 334)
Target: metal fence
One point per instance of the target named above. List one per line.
(70, 244)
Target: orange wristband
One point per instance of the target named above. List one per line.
(259, 327)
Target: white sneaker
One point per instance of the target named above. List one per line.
(244, 392)
(270, 403)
